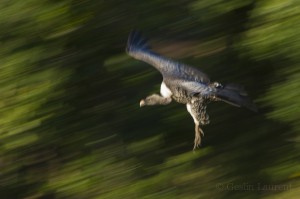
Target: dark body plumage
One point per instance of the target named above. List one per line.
(185, 84)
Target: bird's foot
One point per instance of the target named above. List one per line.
(198, 133)
(197, 143)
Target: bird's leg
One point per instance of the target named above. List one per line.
(198, 133)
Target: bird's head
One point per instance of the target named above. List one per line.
(147, 101)
(150, 100)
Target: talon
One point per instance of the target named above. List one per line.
(195, 147)
(196, 144)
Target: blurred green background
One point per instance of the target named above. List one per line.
(71, 126)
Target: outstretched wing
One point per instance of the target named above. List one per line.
(137, 47)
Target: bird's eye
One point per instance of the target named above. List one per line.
(218, 85)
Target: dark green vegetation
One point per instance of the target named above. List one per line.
(71, 126)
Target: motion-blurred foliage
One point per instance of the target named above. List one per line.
(70, 122)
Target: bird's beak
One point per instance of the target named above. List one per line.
(142, 103)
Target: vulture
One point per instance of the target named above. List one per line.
(186, 85)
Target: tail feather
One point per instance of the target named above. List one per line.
(235, 95)
(136, 42)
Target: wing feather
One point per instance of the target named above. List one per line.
(137, 47)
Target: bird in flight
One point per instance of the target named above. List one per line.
(186, 85)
